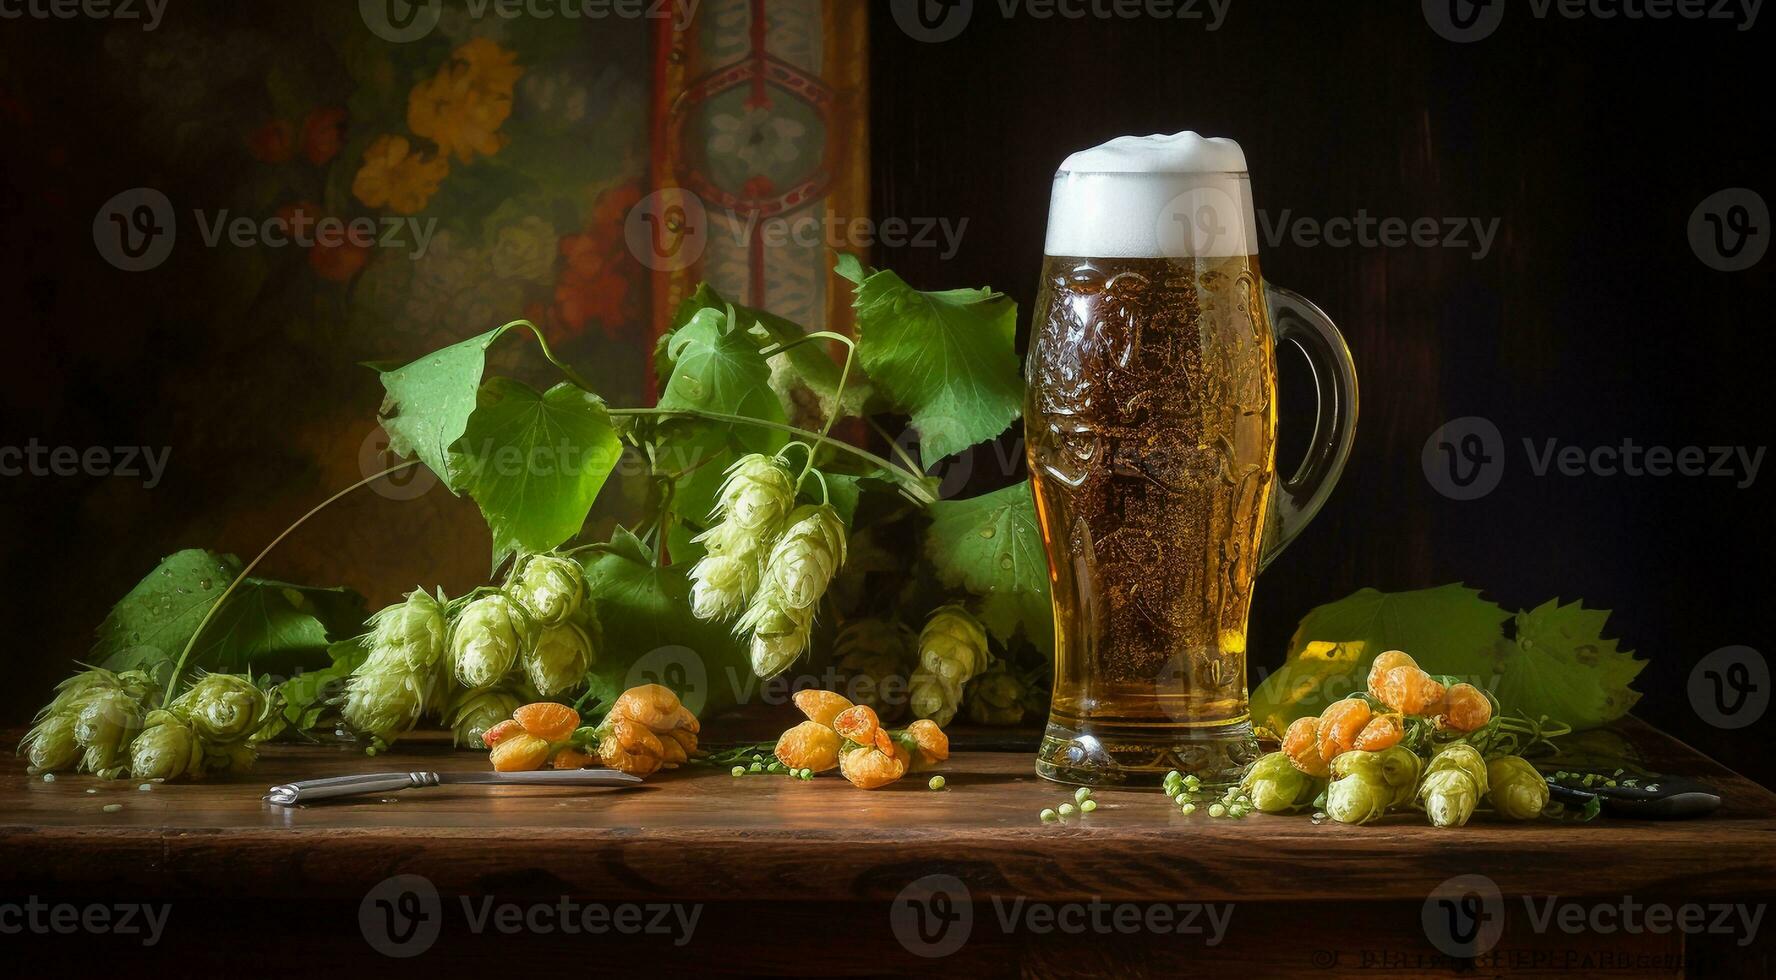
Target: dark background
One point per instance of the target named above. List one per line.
(1592, 320)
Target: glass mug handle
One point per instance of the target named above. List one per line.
(1297, 321)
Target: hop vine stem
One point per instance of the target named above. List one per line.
(172, 687)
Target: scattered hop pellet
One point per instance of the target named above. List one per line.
(409, 634)
(484, 642)
(748, 517)
(952, 651)
(549, 589)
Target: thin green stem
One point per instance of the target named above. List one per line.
(905, 458)
(191, 644)
(566, 369)
(914, 487)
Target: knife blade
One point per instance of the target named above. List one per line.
(335, 787)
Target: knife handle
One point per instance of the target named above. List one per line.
(333, 787)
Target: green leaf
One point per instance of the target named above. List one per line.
(810, 365)
(716, 367)
(990, 545)
(947, 359)
(650, 635)
(305, 696)
(1448, 630)
(430, 400)
(535, 462)
(271, 625)
(1560, 665)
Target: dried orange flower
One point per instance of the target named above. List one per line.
(568, 757)
(858, 723)
(1382, 732)
(1385, 661)
(646, 730)
(547, 720)
(521, 752)
(821, 707)
(1340, 724)
(1410, 691)
(934, 745)
(1301, 743)
(872, 768)
(809, 745)
(1465, 708)
(500, 732)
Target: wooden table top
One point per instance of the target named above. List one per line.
(702, 834)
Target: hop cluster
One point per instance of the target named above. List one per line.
(469, 663)
(99, 723)
(800, 567)
(750, 512)
(999, 697)
(952, 651)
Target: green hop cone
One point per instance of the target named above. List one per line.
(231, 759)
(1358, 799)
(167, 748)
(108, 719)
(874, 656)
(548, 588)
(952, 650)
(1276, 786)
(1397, 767)
(1518, 791)
(1453, 784)
(807, 556)
(385, 703)
(409, 634)
(477, 711)
(749, 513)
(801, 566)
(996, 697)
(222, 707)
(50, 746)
(779, 636)
(558, 659)
(484, 642)
(1450, 797)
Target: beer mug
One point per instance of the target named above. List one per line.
(1150, 423)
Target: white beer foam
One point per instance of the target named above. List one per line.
(1158, 196)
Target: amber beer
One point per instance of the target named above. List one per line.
(1151, 432)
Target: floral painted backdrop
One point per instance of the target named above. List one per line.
(483, 170)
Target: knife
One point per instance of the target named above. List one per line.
(333, 787)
